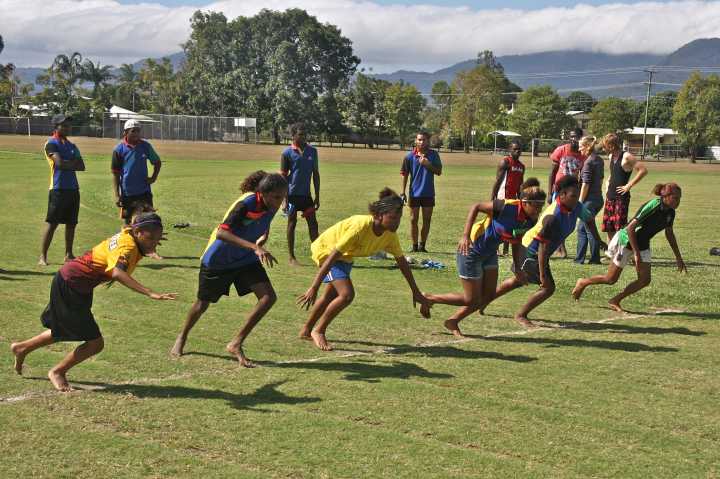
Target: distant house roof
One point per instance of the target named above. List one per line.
(504, 133)
(123, 114)
(638, 130)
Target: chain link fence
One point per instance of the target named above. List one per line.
(183, 127)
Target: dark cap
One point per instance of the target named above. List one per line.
(60, 118)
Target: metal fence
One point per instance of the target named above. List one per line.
(182, 127)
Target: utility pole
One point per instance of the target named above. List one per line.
(647, 107)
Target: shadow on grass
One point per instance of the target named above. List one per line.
(160, 265)
(197, 258)
(10, 278)
(366, 371)
(623, 328)
(264, 396)
(582, 343)
(670, 263)
(689, 314)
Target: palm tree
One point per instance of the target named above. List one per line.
(68, 67)
(128, 81)
(96, 74)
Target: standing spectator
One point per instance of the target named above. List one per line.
(131, 184)
(617, 199)
(422, 164)
(298, 164)
(64, 197)
(567, 160)
(510, 175)
(591, 197)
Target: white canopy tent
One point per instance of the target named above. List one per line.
(497, 133)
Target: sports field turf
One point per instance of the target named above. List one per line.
(592, 394)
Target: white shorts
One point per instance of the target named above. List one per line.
(621, 256)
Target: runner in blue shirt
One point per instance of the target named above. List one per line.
(421, 164)
(299, 164)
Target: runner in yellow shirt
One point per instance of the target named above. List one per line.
(334, 251)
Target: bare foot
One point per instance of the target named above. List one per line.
(69, 257)
(155, 255)
(177, 349)
(42, 261)
(452, 326)
(526, 323)
(237, 351)
(616, 307)
(305, 334)
(294, 262)
(59, 381)
(578, 289)
(19, 357)
(320, 341)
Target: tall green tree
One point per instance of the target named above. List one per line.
(580, 101)
(660, 110)
(127, 91)
(158, 86)
(540, 113)
(509, 89)
(611, 115)
(363, 107)
(403, 105)
(59, 83)
(696, 115)
(477, 102)
(280, 67)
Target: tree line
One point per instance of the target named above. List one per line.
(285, 67)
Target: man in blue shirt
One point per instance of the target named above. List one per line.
(64, 160)
(131, 184)
(299, 164)
(421, 164)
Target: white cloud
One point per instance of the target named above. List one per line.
(384, 36)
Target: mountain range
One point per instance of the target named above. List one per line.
(566, 71)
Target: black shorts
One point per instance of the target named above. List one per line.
(421, 202)
(216, 282)
(63, 207)
(68, 315)
(131, 203)
(301, 203)
(531, 267)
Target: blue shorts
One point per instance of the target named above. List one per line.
(339, 270)
(472, 265)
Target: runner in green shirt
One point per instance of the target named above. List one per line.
(633, 241)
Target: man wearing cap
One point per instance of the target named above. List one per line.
(64, 197)
(131, 184)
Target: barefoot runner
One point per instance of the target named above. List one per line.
(235, 255)
(68, 315)
(633, 241)
(477, 259)
(555, 224)
(334, 251)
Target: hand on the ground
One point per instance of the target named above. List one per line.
(163, 296)
(308, 299)
(681, 265)
(464, 245)
(265, 257)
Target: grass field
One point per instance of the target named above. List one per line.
(593, 394)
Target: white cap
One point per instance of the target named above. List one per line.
(132, 124)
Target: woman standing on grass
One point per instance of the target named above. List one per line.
(68, 315)
(235, 255)
(591, 177)
(334, 251)
(633, 241)
(477, 258)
